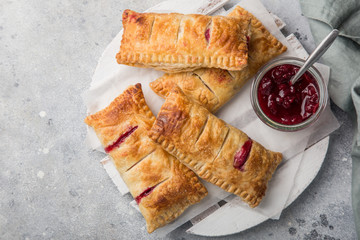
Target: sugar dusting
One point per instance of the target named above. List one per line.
(43, 150)
(42, 114)
(40, 174)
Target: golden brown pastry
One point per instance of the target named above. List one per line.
(212, 88)
(213, 149)
(175, 42)
(160, 184)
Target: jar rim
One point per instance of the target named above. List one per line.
(314, 72)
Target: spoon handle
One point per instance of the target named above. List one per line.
(316, 54)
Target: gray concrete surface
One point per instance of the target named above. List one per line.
(53, 187)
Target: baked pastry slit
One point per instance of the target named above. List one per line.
(142, 159)
(162, 186)
(222, 145)
(202, 130)
(151, 28)
(215, 99)
(207, 32)
(222, 155)
(120, 140)
(147, 192)
(242, 155)
(180, 31)
(198, 76)
(231, 74)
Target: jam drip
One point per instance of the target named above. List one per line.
(120, 140)
(285, 103)
(144, 194)
(242, 155)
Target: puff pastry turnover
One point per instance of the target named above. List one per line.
(212, 88)
(214, 150)
(176, 43)
(160, 184)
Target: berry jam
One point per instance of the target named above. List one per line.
(285, 103)
(207, 34)
(120, 140)
(144, 194)
(242, 155)
(248, 41)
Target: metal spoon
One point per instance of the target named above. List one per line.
(315, 55)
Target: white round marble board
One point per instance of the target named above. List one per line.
(215, 225)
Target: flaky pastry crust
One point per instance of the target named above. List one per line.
(209, 146)
(212, 88)
(142, 163)
(176, 42)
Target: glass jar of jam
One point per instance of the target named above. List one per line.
(284, 106)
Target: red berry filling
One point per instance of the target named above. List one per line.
(144, 194)
(242, 155)
(248, 42)
(120, 140)
(284, 103)
(207, 34)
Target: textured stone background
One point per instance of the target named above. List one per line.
(52, 187)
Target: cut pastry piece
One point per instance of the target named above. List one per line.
(160, 184)
(213, 149)
(212, 88)
(175, 42)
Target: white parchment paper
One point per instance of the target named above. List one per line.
(111, 79)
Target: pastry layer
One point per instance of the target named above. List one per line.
(175, 42)
(210, 147)
(162, 186)
(212, 88)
